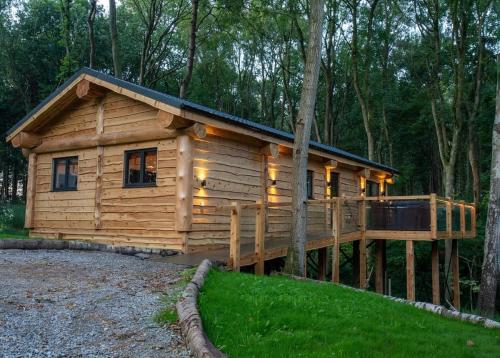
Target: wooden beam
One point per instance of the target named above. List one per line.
(322, 262)
(184, 184)
(379, 266)
(271, 150)
(87, 91)
(331, 164)
(462, 217)
(264, 180)
(26, 152)
(30, 191)
(365, 173)
(26, 140)
(449, 227)
(234, 243)
(259, 237)
(336, 230)
(171, 121)
(436, 294)
(455, 268)
(84, 141)
(410, 271)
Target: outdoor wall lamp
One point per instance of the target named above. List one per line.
(273, 183)
(204, 183)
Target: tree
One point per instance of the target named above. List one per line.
(192, 49)
(90, 30)
(115, 45)
(295, 263)
(490, 270)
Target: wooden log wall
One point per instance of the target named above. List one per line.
(101, 209)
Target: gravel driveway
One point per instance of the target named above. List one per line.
(84, 304)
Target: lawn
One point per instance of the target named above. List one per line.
(254, 316)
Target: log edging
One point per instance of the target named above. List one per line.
(436, 309)
(53, 244)
(189, 316)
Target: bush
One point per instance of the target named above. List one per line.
(12, 215)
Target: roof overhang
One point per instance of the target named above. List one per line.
(66, 94)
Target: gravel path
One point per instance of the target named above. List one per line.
(84, 304)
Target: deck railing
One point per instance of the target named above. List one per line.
(261, 231)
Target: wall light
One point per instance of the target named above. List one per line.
(204, 183)
(273, 183)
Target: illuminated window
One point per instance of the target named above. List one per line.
(310, 186)
(65, 174)
(140, 168)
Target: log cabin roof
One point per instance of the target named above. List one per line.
(187, 105)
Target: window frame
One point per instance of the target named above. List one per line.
(142, 153)
(368, 184)
(67, 161)
(310, 195)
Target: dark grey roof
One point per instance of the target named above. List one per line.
(183, 104)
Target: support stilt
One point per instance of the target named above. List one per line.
(455, 273)
(322, 262)
(410, 271)
(379, 265)
(436, 295)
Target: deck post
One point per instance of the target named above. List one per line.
(433, 209)
(234, 243)
(362, 244)
(455, 273)
(462, 218)
(30, 192)
(436, 295)
(379, 265)
(449, 228)
(410, 271)
(259, 237)
(336, 243)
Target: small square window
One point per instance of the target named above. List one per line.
(310, 184)
(140, 167)
(65, 174)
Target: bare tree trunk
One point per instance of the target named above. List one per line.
(90, 30)
(115, 46)
(490, 271)
(295, 262)
(66, 34)
(192, 49)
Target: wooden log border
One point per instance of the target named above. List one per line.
(436, 309)
(57, 244)
(189, 316)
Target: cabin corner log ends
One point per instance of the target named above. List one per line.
(189, 316)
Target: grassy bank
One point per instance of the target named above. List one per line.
(251, 316)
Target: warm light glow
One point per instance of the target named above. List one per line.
(362, 185)
(273, 174)
(390, 180)
(382, 186)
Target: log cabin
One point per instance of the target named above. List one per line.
(116, 163)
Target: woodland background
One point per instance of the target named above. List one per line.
(407, 83)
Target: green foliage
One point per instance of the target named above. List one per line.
(166, 316)
(255, 316)
(11, 216)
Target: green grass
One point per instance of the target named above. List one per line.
(12, 221)
(254, 316)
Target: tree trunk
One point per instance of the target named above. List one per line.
(192, 49)
(490, 270)
(90, 30)
(115, 46)
(295, 262)
(66, 34)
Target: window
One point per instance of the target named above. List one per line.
(310, 185)
(140, 168)
(334, 184)
(65, 174)
(372, 188)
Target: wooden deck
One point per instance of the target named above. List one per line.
(273, 249)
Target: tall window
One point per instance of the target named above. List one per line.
(372, 188)
(310, 184)
(140, 168)
(334, 184)
(65, 174)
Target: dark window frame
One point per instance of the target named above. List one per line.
(370, 184)
(142, 153)
(67, 161)
(337, 176)
(310, 184)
